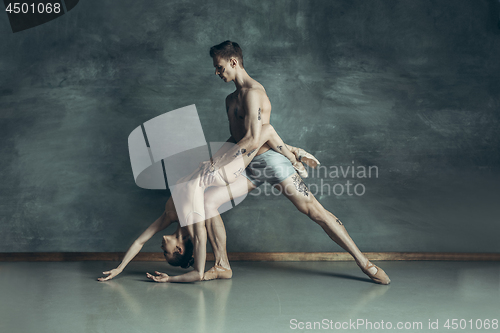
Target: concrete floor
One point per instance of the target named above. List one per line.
(261, 297)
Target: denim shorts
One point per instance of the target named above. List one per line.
(269, 166)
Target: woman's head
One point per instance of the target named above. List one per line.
(178, 250)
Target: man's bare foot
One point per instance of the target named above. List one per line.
(217, 272)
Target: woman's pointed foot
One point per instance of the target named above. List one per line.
(309, 159)
(300, 169)
(217, 272)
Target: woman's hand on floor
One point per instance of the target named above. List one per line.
(160, 277)
(111, 274)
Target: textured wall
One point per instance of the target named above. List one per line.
(410, 87)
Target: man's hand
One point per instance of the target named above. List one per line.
(160, 277)
(207, 176)
(111, 274)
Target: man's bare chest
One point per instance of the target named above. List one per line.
(236, 113)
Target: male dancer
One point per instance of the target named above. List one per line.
(248, 108)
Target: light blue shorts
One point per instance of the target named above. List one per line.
(270, 166)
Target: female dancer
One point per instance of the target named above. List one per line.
(178, 247)
(175, 246)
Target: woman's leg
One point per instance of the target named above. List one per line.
(276, 143)
(193, 189)
(295, 155)
(271, 137)
(303, 156)
(232, 170)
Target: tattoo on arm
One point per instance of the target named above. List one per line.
(237, 173)
(300, 186)
(279, 147)
(239, 152)
(259, 113)
(338, 221)
(250, 153)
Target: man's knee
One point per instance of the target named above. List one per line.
(314, 211)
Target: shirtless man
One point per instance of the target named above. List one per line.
(248, 108)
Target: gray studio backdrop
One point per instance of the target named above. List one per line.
(410, 87)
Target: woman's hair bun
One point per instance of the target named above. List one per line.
(189, 263)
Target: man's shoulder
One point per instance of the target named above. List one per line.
(254, 92)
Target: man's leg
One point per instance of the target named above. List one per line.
(214, 198)
(297, 192)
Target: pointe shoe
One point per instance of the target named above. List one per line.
(309, 159)
(300, 169)
(217, 272)
(379, 277)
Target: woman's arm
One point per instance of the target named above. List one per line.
(161, 223)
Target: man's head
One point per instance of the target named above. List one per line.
(227, 57)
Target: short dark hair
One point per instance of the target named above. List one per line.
(226, 50)
(184, 260)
